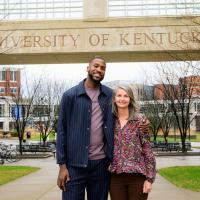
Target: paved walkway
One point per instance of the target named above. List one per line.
(41, 185)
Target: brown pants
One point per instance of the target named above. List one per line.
(127, 187)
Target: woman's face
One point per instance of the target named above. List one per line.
(122, 99)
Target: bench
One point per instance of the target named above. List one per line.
(34, 148)
(188, 146)
(28, 148)
(173, 146)
(159, 146)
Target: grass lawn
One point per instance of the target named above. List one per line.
(197, 147)
(187, 177)
(171, 139)
(36, 137)
(10, 173)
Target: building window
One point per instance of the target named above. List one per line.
(13, 75)
(2, 90)
(195, 106)
(11, 126)
(1, 125)
(1, 110)
(198, 107)
(2, 75)
(13, 90)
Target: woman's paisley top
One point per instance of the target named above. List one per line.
(132, 150)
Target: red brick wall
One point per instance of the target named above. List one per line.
(193, 84)
(9, 84)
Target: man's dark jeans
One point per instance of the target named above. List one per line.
(95, 179)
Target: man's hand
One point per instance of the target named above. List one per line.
(147, 187)
(144, 126)
(63, 177)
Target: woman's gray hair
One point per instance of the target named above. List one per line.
(132, 105)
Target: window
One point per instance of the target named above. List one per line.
(13, 90)
(2, 90)
(13, 75)
(2, 75)
(1, 125)
(11, 126)
(198, 107)
(1, 110)
(11, 109)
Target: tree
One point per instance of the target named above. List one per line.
(46, 107)
(178, 86)
(152, 112)
(21, 105)
(167, 119)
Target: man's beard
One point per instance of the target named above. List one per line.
(94, 80)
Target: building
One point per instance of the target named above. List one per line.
(10, 83)
(160, 91)
(192, 83)
(187, 91)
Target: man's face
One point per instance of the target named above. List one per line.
(96, 70)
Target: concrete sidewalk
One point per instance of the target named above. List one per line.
(41, 185)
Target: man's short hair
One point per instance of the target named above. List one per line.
(97, 57)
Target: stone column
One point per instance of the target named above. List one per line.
(95, 10)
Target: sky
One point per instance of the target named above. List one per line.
(76, 72)
(71, 74)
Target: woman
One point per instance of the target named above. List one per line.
(133, 168)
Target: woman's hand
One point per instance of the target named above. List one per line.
(147, 187)
(144, 126)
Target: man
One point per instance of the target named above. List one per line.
(85, 137)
